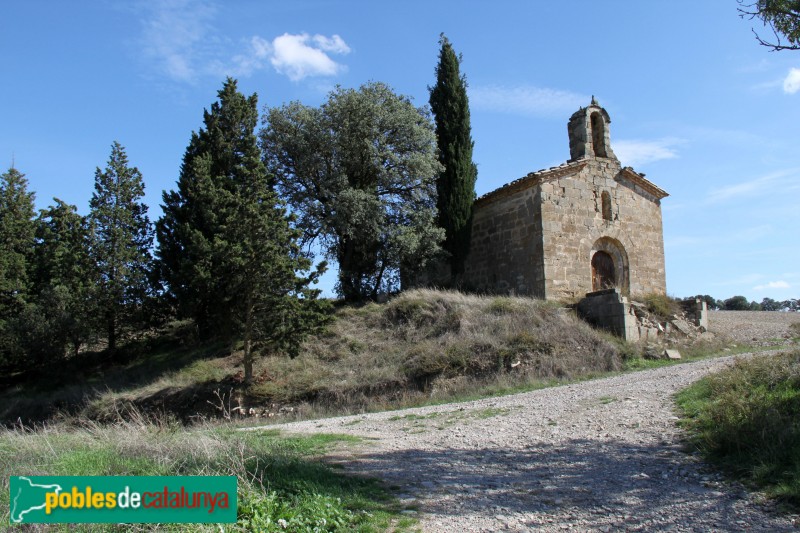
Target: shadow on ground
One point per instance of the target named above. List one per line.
(608, 483)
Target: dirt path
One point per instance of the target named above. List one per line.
(603, 455)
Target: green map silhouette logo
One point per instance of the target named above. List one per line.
(28, 497)
(122, 499)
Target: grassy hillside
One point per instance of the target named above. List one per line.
(421, 346)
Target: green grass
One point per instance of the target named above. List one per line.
(415, 423)
(746, 419)
(280, 480)
(694, 352)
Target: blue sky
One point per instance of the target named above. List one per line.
(696, 104)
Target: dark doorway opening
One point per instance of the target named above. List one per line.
(602, 272)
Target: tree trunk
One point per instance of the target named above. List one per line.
(112, 331)
(247, 360)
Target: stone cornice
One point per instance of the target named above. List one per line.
(534, 178)
(645, 184)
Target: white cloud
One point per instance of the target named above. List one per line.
(772, 285)
(760, 185)
(254, 58)
(300, 56)
(335, 44)
(638, 152)
(173, 33)
(792, 82)
(181, 43)
(525, 99)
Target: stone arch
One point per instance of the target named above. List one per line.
(598, 134)
(604, 249)
(606, 204)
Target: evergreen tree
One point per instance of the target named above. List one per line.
(121, 236)
(17, 237)
(192, 256)
(227, 252)
(63, 281)
(270, 304)
(456, 183)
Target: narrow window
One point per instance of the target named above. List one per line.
(598, 135)
(606, 199)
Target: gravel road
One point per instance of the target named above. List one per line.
(603, 455)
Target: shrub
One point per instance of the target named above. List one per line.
(661, 305)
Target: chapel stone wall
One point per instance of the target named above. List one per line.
(506, 252)
(574, 228)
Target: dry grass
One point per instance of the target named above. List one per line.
(435, 344)
(420, 347)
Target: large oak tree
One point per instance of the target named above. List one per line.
(359, 172)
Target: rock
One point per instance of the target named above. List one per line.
(682, 326)
(672, 354)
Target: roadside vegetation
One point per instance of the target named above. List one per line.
(281, 486)
(746, 419)
(421, 347)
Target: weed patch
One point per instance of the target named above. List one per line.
(281, 486)
(661, 305)
(747, 420)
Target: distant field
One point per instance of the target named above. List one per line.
(754, 326)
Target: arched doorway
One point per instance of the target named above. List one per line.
(608, 265)
(603, 271)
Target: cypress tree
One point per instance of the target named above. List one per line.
(121, 236)
(456, 183)
(192, 257)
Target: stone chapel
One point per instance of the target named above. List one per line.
(588, 224)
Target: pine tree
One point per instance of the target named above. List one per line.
(63, 282)
(227, 252)
(121, 236)
(17, 234)
(270, 304)
(191, 255)
(456, 183)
